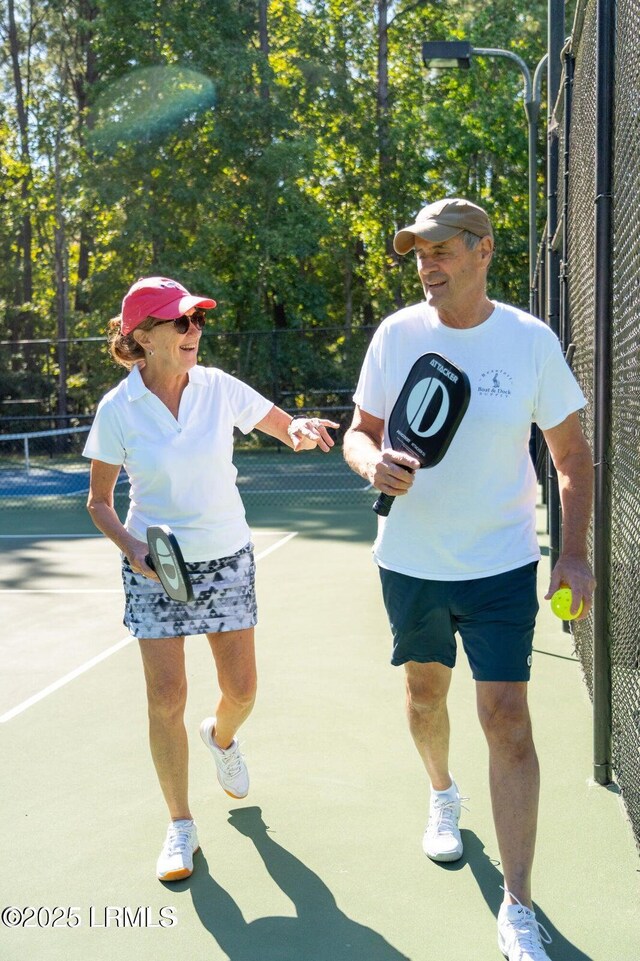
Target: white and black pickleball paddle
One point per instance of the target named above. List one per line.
(427, 414)
(165, 558)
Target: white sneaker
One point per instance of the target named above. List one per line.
(520, 935)
(442, 841)
(176, 858)
(232, 771)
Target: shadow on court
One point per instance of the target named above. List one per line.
(319, 932)
(22, 564)
(489, 879)
(345, 518)
(352, 522)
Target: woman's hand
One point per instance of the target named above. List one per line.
(301, 433)
(309, 432)
(136, 555)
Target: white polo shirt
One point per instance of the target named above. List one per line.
(181, 471)
(473, 514)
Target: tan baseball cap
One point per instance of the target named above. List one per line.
(442, 220)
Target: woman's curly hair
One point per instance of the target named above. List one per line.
(124, 348)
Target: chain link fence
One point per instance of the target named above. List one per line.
(613, 411)
(309, 371)
(624, 603)
(295, 368)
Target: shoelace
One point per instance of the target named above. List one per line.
(177, 841)
(446, 814)
(531, 932)
(232, 761)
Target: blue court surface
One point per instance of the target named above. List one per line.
(42, 482)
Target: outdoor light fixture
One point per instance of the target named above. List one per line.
(457, 54)
(444, 54)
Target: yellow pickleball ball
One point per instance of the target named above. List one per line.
(561, 605)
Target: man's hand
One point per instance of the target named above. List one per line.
(574, 572)
(393, 472)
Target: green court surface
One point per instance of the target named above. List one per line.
(323, 860)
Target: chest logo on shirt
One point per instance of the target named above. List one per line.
(495, 383)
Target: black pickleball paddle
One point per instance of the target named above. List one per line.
(165, 558)
(427, 414)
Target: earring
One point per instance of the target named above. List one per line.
(150, 353)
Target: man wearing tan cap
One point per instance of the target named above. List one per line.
(458, 553)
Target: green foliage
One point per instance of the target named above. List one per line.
(269, 171)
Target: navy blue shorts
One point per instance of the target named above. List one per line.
(495, 617)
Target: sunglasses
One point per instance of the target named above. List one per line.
(183, 323)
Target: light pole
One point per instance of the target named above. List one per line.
(445, 54)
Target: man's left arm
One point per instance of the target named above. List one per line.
(573, 462)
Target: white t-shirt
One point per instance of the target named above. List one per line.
(473, 514)
(181, 471)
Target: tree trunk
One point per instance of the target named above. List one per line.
(61, 272)
(348, 291)
(25, 288)
(263, 33)
(382, 98)
(386, 160)
(83, 82)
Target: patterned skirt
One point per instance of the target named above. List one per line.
(224, 599)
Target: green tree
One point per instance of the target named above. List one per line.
(263, 151)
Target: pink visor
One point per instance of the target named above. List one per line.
(158, 297)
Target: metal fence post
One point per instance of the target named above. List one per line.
(605, 77)
(555, 41)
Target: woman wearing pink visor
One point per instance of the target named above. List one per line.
(170, 424)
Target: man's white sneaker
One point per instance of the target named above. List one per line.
(176, 858)
(520, 934)
(232, 771)
(442, 841)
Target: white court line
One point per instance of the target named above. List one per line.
(104, 590)
(59, 590)
(8, 715)
(64, 680)
(61, 537)
(47, 537)
(274, 547)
